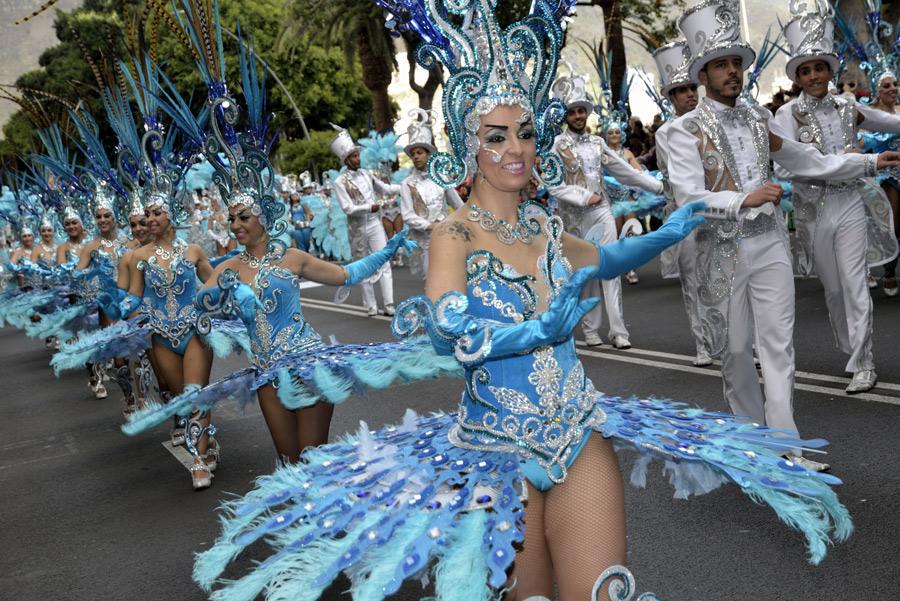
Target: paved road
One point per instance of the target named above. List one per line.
(87, 513)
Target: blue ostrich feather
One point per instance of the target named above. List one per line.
(122, 339)
(237, 386)
(227, 337)
(63, 323)
(379, 149)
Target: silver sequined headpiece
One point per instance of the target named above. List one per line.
(810, 34)
(712, 30)
(489, 66)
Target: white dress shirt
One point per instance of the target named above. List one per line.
(367, 185)
(593, 155)
(688, 180)
(435, 199)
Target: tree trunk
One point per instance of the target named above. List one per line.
(615, 44)
(376, 74)
(435, 75)
(381, 109)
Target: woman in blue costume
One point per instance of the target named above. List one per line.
(886, 100)
(296, 377)
(167, 276)
(520, 491)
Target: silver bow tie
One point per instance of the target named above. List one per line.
(738, 113)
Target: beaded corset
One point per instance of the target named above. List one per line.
(103, 269)
(280, 328)
(169, 293)
(537, 404)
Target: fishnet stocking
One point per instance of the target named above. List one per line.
(575, 530)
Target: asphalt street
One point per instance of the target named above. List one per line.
(87, 513)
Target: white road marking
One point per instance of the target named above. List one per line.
(637, 357)
(180, 454)
(307, 284)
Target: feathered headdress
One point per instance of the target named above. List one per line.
(880, 56)
(243, 172)
(489, 66)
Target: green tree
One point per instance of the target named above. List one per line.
(318, 79)
(357, 27)
(651, 21)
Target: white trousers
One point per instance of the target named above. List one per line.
(762, 294)
(612, 289)
(840, 246)
(687, 268)
(377, 240)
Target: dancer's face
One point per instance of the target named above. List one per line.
(813, 77)
(419, 157)
(245, 225)
(723, 77)
(73, 228)
(684, 98)
(352, 160)
(27, 239)
(106, 221)
(887, 91)
(139, 229)
(157, 220)
(507, 148)
(576, 118)
(614, 137)
(47, 234)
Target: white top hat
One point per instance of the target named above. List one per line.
(572, 90)
(419, 131)
(712, 30)
(343, 145)
(672, 60)
(810, 34)
(305, 180)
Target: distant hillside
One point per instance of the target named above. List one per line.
(23, 44)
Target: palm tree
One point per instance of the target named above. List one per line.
(357, 26)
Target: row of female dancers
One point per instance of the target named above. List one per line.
(520, 490)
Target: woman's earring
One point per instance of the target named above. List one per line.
(480, 175)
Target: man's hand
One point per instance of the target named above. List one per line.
(768, 192)
(888, 159)
(595, 199)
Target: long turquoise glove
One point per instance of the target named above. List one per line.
(110, 302)
(230, 297)
(215, 261)
(630, 253)
(129, 304)
(365, 267)
(475, 340)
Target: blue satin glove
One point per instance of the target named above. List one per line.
(230, 297)
(478, 340)
(109, 302)
(365, 267)
(215, 261)
(630, 253)
(129, 304)
(246, 301)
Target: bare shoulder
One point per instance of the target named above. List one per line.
(294, 257)
(194, 253)
(142, 252)
(453, 229)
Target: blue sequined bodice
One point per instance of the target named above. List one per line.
(280, 328)
(169, 293)
(102, 270)
(537, 404)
